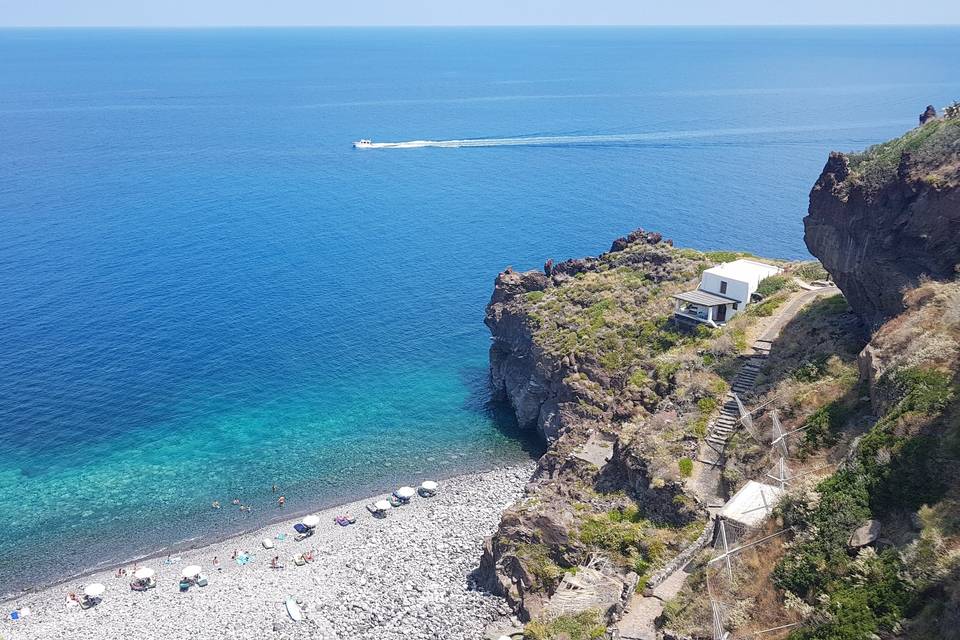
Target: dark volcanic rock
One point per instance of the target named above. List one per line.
(928, 115)
(880, 226)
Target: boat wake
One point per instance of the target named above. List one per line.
(621, 138)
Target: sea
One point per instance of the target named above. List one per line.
(205, 291)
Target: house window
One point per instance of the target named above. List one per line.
(723, 286)
(736, 305)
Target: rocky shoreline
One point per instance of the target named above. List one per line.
(408, 575)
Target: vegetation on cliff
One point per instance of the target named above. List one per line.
(933, 150)
(893, 439)
(883, 219)
(588, 352)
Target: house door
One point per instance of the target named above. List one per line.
(720, 313)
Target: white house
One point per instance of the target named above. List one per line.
(724, 292)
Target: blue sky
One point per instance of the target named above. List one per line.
(471, 12)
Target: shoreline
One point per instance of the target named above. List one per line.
(209, 539)
(438, 537)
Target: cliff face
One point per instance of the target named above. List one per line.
(882, 219)
(584, 351)
(550, 334)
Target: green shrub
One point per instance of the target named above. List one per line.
(664, 370)
(536, 558)
(639, 378)
(707, 405)
(725, 256)
(823, 426)
(771, 284)
(811, 370)
(622, 533)
(811, 271)
(686, 467)
(534, 296)
(587, 625)
(892, 471)
(767, 307)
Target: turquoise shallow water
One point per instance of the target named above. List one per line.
(204, 290)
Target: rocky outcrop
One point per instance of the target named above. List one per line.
(582, 406)
(883, 220)
(532, 380)
(929, 114)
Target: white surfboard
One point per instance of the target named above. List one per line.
(294, 610)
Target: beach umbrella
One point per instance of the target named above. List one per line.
(429, 485)
(94, 590)
(382, 505)
(311, 521)
(405, 493)
(192, 571)
(143, 574)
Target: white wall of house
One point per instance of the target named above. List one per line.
(741, 278)
(739, 290)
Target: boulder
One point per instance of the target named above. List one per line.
(865, 534)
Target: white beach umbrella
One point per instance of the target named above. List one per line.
(429, 485)
(143, 574)
(311, 521)
(406, 492)
(94, 590)
(192, 571)
(382, 505)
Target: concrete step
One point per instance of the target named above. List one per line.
(717, 441)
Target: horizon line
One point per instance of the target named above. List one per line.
(484, 26)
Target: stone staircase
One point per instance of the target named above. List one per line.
(727, 422)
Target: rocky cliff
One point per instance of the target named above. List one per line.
(873, 420)
(546, 353)
(585, 352)
(881, 220)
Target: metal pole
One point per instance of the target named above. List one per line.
(726, 550)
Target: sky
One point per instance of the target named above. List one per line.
(198, 13)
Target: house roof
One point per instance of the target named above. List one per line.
(705, 298)
(744, 270)
(752, 503)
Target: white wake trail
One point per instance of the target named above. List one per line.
(528, 141)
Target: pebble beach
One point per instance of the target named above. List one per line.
(403, 576)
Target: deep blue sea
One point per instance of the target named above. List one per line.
(204, 290)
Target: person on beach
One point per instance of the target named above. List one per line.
(275, 563)
(216, 563)
(281, 501)
(234, 555)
